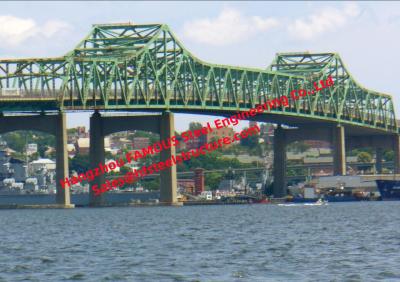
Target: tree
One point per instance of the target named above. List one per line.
(153, 184)
(250, 141)
(388, 155)
(18, 155)
(34, 156)
(72, 131)
(108, 155)
(124, 169)
(364, 157)
(80, 163)
(15, 140)
(42, 148)
(212, 180)
(195, 125)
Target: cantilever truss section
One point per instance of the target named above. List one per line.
(129, 67)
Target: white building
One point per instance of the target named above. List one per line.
(40, 164)
(31, 149)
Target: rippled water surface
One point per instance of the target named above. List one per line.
(339, 242)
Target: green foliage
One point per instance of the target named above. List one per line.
(17, 140)
(124, 169)
(80, 163)
(388, 155)
(34, 156)
(250, 141)
(153, 184)
(212, 180)
(72, 131)
(364, 157)
(18, 155)
(296, 171)
(195, 125)
(153, 138)
(108, 155)
(210, 161)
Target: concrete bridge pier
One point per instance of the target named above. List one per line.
(168, 177)
(63, 194)
(339, 150)
(96, 156)
(279, 187)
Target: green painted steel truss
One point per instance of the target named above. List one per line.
(125, 66)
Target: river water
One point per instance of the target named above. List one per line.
(357, 241)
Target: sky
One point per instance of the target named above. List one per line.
(365, 34)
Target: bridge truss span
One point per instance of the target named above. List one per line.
(136, 67)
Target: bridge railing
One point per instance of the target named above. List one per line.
(16, 93)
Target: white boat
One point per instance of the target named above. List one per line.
(289, 205)
(320, 202)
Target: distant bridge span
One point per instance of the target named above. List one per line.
(126, 67)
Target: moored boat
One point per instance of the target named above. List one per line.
(389, 189)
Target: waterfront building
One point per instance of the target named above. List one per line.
(42, 179)
(18, 169)
(186, 186)
(40, 164)
(4, 165)
(206, 195)
(82, 146)
(31, 184)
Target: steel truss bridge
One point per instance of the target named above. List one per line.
(145, 67)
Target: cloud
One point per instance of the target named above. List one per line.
(14, 30)
(325, 20)
(52, 27)
(230, 26)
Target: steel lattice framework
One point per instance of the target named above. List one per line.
(133, 67)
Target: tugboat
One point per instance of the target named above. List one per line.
(389, 189)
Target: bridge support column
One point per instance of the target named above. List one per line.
(279, 188)
(396, 148)
(168, 180)
(339, 151)
(62, 194)
(96, 156)
(378, 160)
